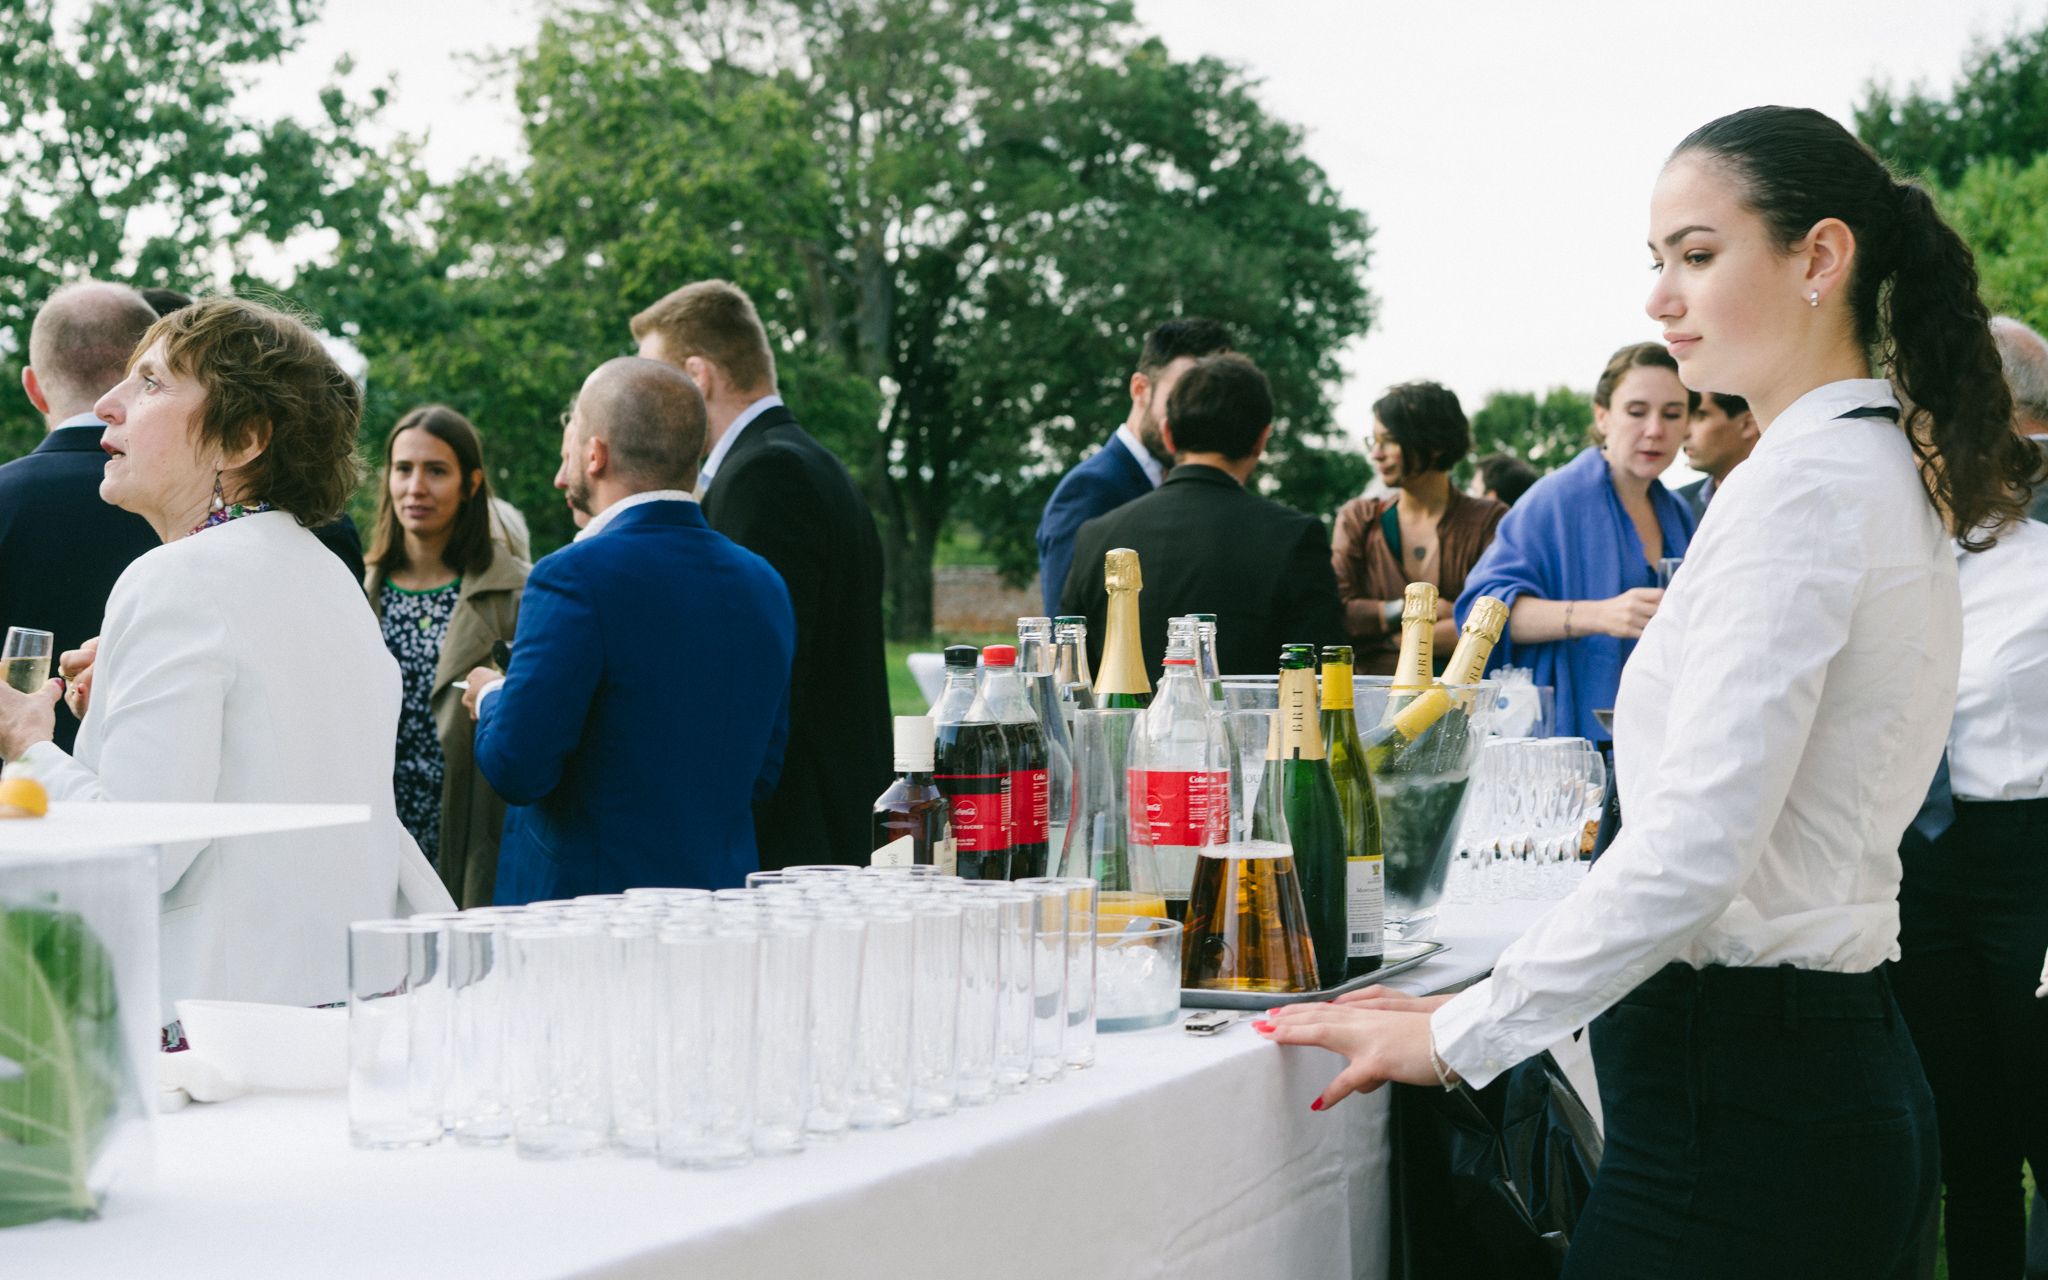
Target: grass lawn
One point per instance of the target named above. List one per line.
(1941, 1250)
(904, 698)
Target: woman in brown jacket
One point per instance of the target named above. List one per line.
(1426, 532)
(445, 592)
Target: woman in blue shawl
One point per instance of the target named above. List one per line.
(1576, 558)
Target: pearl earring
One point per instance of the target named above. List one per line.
(1813, 299)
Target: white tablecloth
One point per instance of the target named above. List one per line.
(1173, 1156)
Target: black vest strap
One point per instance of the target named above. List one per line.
(1885, 411)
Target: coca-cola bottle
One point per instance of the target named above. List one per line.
(972, 768)
(1030, 759)
(1179, 772)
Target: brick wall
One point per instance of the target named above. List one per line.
(972, 599)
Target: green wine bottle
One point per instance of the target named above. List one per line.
(1365, 866)
(1298, 805)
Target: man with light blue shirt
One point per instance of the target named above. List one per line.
(1134, 461)
(61, 547)
(646, 706)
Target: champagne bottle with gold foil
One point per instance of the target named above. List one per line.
(1365, 866)
(1416, 669)
(1122, 682)
(1298, 805)
(1483, 627)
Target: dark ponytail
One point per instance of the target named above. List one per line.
(1913, 295)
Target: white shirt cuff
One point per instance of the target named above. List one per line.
(486, 692)
(1459, 1030)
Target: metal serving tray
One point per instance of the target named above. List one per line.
(1401, 957)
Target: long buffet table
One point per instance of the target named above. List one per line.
(1173, 1156)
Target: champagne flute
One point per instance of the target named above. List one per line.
(25, 659)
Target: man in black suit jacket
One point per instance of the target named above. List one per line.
(770, 487)
(1133, 462)
(1206, 544)
(61, 548)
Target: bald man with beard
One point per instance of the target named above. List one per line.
(646, 706)
(61, 548)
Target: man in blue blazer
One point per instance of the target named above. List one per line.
(1134, 461)
(646, 706)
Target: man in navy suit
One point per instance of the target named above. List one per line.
(61, 548)
(2024, 356)
(1134, 461)
(646, 706)
(1718, 439)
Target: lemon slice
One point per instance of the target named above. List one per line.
(23, 798)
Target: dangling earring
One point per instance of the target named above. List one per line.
(220, 500)
(1813, 299)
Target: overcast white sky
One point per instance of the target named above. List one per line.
(1503, 149)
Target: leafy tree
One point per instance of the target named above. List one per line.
(972, 210)
(124, 157)
(1546, 432)
(2001, 209)
(1998, 107)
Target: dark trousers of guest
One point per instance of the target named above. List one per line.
(1761, 1123)
(1973, 926)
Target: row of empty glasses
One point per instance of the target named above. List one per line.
(1528, 823)
(706, 1028)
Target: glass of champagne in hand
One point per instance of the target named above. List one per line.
(25, 659)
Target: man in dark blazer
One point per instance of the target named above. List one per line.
(1717, 440)
(1134, 461)
(770, 487)
(1206, 544)
(61, 548)
(646, 704)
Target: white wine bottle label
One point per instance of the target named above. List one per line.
(1365, 901)
(900, 852)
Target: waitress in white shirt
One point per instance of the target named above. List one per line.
(1973, 911)
(1766, 1112)
(238, 662)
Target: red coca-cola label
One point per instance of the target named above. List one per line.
(1179, 806)
(1030, 806)
(980, 808)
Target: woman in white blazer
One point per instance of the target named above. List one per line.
(238, 662)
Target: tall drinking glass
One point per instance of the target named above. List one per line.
(709, 1000)
(1079, 1048)
(980, 986)
(881, 1091)
(634, 997)
(782, 1075)
(1048, 981)
(935, 1017)
(397, 1032)
(837, 937)
(479, 1097)
(561, 1085)
(1015, 996)
(25, 659)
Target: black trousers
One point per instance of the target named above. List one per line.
(1973, 926)
(1760, 1123)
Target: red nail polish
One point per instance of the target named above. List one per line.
(1262, 1026)
(1317, 1105)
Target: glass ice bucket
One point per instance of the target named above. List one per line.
(1422, 788)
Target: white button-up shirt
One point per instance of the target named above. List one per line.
(716, 458)
(1776, 730)
(1998, 749)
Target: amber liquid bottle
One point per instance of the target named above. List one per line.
(912, 822)
(1122, 682)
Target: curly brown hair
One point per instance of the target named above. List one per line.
(269, 381)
